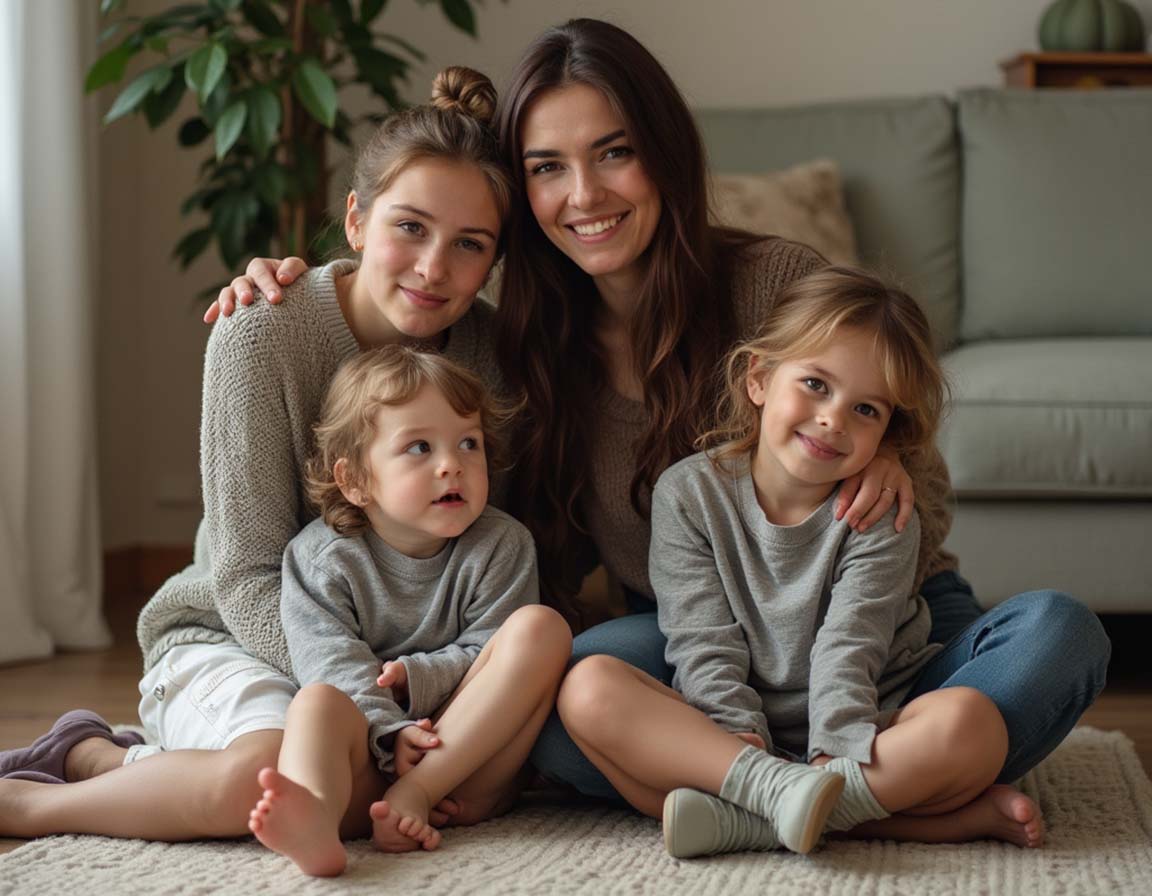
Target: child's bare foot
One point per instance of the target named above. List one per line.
(291, 820)
(393, 832)
(999, 813)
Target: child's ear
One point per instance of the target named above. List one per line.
(757, 384)
(349, 489)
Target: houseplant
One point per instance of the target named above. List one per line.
(266, 76)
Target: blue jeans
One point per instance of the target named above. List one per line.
(1041, 656)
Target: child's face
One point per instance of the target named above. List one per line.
(429, 242)
(429, 476)
(822, 416)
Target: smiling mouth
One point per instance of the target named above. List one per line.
(596, 228)
(423, 298)
(817, 448)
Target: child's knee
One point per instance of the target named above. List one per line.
(319, 701)
(538, 636)
(972, 731)
(589, 702)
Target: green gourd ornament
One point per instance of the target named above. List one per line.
(1090, 26)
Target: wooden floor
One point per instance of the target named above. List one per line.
(32, 695)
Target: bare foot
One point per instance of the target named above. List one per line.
(999, 813)
(292, 821)
(393, 832)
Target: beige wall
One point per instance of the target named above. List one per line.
(721, 52)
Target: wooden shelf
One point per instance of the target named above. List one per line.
(1078, 70)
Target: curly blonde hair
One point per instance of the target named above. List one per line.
(807, 315)
(384, 377)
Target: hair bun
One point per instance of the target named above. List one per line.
(464, 90)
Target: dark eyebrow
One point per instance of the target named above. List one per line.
(423, 214)
(595, 144)
(825, 375)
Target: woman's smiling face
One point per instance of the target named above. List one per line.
(585, 184)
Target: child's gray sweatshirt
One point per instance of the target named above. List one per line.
(350, 602)
(802, 634)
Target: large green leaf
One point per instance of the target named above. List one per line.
(263, 119)
(229, 126)
(109, 68)
(316, 91)
(130, 97)
(232, 215)
(159, 106)
(205, 68)
(459, 13)
(270, 183)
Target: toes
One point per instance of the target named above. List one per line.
(379, 810)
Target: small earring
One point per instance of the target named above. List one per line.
(357, 246)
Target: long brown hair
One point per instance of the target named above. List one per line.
(808, 314)
(683, 319)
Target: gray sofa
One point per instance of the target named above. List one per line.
(1022, 220)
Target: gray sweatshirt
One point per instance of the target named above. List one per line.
(802, 634)
(350, 602)
(265, 373)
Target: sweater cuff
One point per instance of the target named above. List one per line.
(382, 742)
(852, 742)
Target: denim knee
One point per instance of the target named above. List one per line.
(1072, 631)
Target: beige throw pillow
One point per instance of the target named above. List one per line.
(803, 203)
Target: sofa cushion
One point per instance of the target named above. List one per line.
(804, 203)
(900, 166)
(1058, 418)
(1057, 213)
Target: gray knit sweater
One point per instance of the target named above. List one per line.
(265, 373)
(802, 634)
(350, 602)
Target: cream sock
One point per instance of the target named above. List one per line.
(857, 804)
(796, 798)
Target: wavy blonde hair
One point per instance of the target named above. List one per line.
(807, 315)
(384, 377)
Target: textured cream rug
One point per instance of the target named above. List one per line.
(1094, 794)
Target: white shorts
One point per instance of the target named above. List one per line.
(204, 696)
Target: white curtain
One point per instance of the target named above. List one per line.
(50, 561)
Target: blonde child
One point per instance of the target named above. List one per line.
(407, 567)
(794, 636)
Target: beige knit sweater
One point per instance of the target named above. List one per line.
(265, 373)
(622, 536)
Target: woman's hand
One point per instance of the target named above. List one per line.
(264, 274)
(411, 745)
(866, 497)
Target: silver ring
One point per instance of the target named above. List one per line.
(887, 489)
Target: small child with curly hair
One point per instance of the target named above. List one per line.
(407, 567)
